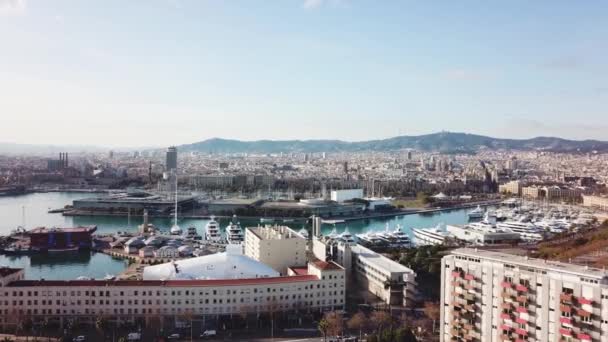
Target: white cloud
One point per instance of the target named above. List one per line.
(11, 7)
(314, 4)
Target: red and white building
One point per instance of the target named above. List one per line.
(319, 286)
(493, 296)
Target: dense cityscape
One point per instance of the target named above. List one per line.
(303, 170)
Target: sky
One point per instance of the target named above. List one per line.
(164, 72)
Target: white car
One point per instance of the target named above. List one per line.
(80, 338)
(134, 336)
(173, 337)
(208, 333)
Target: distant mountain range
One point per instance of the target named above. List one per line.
(447, 142)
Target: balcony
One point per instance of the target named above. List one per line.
(566, 297)
(565, 332)
(521, 332)
(505, 338)
(506, 285)
(522, 299)
(584, 301)
(505, 315)
(506, 306)
(469, 277)
(565, 320)
(565, 308)
(521, 288)
(521, 321)
(521, 309)
(506, 327)
(583, 313)
(470, 307)
(456, 275)
(583, 337)
(469, 286)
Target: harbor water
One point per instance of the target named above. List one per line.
(31, 210)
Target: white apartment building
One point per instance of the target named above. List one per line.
(279, 247)
(493, 296)
(319, 286)
(388, 280)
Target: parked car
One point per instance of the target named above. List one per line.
(208, 333)
(173, 337)
(80, 338)
(134, 336)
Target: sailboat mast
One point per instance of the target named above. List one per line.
(175, 198)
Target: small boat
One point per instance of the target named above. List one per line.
(176, 230)
(265, 220)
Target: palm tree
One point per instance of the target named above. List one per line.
(323, 327)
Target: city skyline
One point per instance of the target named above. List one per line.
(85, 75)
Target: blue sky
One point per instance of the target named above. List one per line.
(159, 72)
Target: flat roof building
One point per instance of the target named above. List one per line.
(279, 247)
(494, 296)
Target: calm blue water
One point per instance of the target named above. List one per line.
(97, 265)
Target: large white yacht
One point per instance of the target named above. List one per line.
(192, 234)
(212, 230)
(234, 233)
(369, 239)
(429, 236)
(395, 238)
(347, 237)
(476, 213)
(527, 231)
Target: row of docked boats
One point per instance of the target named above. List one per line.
(389, 238)
(234, 232)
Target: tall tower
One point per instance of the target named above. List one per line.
(171, 158)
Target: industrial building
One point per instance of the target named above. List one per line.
(49, 239)
(135, 202)
(493, 296)
(346, 195)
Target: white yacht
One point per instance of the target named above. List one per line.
(400, 238)
(234, 233)
(527, 231)
(212, 231)
(429, 236)
(369, 239)
(333, 234)
(396, 238)
(347, 237)
(476, 213)
(303, 232)
(192, 234)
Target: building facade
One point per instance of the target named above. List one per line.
(279, 247)
(317, 287)
(493, 296)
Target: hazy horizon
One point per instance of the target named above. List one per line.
(172, 72)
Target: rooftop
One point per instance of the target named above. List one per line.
(379, 261)
(168, 283)
(549, 265)
(6, 271)
(274, 233)
(45, 230)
